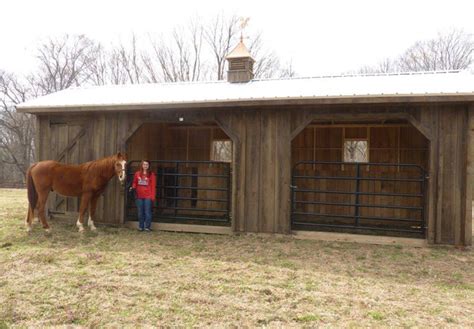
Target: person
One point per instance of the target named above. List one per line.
(144, 183)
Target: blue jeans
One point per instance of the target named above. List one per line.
(144, 207)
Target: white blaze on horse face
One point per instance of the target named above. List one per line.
(122, 174)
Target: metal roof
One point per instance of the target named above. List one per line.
(240, 51)
(268, 91)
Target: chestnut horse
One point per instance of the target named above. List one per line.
(87, 181)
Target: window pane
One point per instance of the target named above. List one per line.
(355, 151)
(222, 151)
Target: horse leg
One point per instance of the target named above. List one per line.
(42, 198)
(29, 218)
(92, 208)
(84, 204)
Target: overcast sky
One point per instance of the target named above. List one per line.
(319, 37)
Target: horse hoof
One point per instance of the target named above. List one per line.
(47, 231)
(28, 229)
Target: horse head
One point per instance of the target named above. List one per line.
(120, 167)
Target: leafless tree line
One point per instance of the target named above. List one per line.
(451, 50)
(192, 52)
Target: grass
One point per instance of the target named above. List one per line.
(122, 278)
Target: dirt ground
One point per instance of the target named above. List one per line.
(119, 277)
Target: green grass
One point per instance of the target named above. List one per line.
(122, 278)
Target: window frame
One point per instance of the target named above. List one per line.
(212, 150)
(366, 140)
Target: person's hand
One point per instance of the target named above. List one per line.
(130, 189)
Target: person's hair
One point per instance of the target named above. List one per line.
(141, 167)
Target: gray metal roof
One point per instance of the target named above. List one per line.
(349, 87)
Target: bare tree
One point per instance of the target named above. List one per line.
(287, 71)
(179, 58)
(385, 66)
(452, 50)
(267, 64)
(221, 35)
(64, 62)
(16, 129)
(449, 51)
(129, 62)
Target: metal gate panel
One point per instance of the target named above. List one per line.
(384, 198)
(196, 192)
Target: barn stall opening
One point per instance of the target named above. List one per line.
(365, 177)
(193, 167)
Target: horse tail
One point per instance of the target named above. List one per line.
(32, 193)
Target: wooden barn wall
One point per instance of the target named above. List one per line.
(82, 138)
(451, 151)
(262, 159)
(262, 151)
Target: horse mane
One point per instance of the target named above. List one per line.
(103, 167)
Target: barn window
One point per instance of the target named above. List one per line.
(221, 150)
(356, 150)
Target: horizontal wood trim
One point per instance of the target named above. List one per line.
(184, 228)
(359, 238)
(447, 98)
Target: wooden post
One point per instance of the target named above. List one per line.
(467, 229)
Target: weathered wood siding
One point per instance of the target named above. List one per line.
(262, 149)
(262, 157)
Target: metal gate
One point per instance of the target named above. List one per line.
(380, 198)
(191, 192)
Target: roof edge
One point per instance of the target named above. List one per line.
(326, 100)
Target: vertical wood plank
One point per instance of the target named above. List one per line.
(467, 232)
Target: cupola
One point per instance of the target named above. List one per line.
(240, 64)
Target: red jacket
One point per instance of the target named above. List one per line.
(144, 185)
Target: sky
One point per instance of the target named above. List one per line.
(318, 37)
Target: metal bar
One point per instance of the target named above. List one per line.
(381, 164)
(184, 162)
(370, 228)
(176, 190)
(197, 199)
(356, 210)
(361, 205)
(194, 188)
(392, 219)
(192, 209)
(229, 190)
(423, 203)
(362, 178)
(360, 193)
(207, 219)
(196, 175)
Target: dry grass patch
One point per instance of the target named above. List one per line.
(119, 277)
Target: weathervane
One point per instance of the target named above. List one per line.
(243, 24)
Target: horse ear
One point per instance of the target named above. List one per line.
(121, 155)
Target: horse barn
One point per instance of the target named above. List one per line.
(386, 156)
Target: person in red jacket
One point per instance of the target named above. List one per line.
(144, 183)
